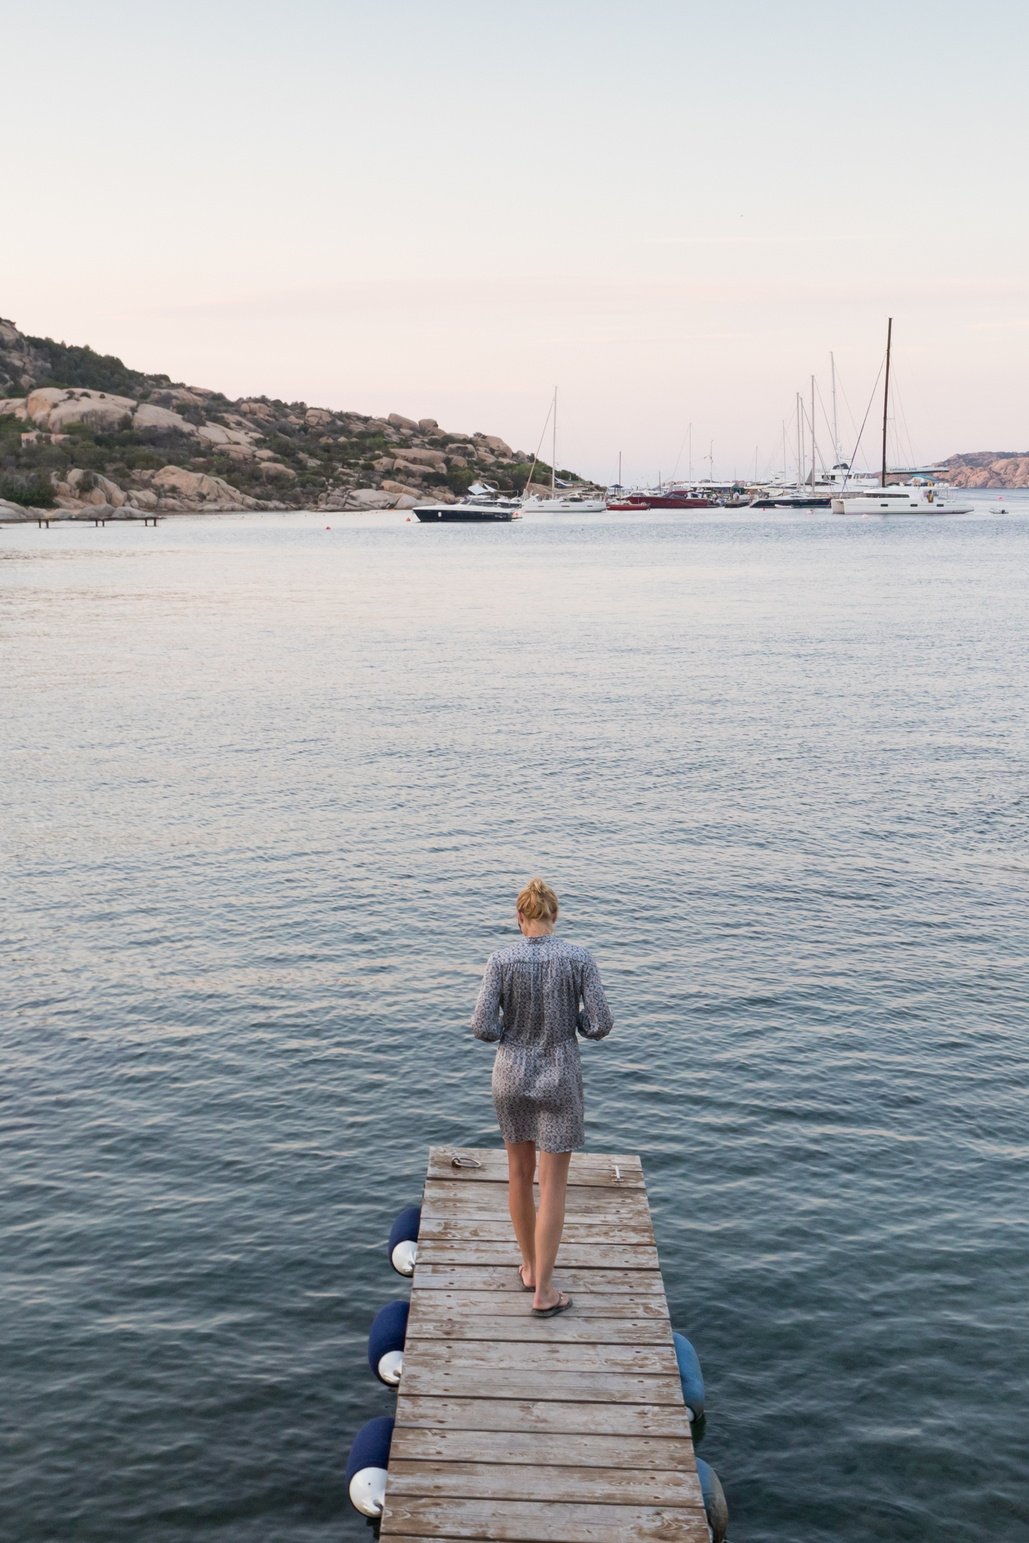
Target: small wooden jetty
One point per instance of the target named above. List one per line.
(555, 1430)
(44, 521)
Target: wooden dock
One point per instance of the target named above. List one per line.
(44, 521)
(560, 1430)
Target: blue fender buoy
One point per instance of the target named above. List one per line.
(403, 1240)
(715, 1508)
(386, 1342)
(367, 1465)
(690, 1375)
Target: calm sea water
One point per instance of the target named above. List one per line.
(268, 792)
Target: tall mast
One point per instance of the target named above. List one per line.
(784, 461)
(886, 394)
(689, 435)
(800, 443)
(813, 452)
(619, 468)
(835, 424)
(553, 450)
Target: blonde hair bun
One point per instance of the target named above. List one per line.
(537, 902)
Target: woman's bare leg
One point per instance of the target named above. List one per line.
(521, 1166)
(550, 1220)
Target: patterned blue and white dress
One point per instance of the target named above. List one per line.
(536, 995)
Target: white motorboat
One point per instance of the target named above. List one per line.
(903, 498)
(482, 504)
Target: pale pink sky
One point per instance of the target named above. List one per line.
(673, 211)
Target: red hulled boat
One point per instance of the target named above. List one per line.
(663, 498)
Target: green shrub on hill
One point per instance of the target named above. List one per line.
(459, 479)
(372, 444)
(66, 364)
(512, 479)
(32, 488)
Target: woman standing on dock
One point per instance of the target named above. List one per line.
(535, 995)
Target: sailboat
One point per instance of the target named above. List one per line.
(570, 500)
(919, 496)
(811, 492)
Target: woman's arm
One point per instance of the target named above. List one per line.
(488, 1017)
(595, 1018)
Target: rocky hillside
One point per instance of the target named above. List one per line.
(989, 469)
(80, 430)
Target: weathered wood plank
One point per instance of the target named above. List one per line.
(491, 1357)
(440, 1445)
(521, 1520)
(586, 1387)
(589, 1306)
(490, 1180)
(587, 1179)
(608, 1254)
(554, 1417)
(568, 1328)
(494, 1159)
(617, 1172)
(491, 1277)
(490, 1200)
(553, 1483)
(598, 1230)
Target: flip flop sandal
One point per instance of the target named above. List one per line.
(552, 1312)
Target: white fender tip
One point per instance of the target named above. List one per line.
(404, 1257)
(391, 1366)
(368, 1491)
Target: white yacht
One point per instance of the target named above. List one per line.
(482, 504)
(903, 498)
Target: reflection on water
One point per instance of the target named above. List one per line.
(270, 789)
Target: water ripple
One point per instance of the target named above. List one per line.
(270, 791)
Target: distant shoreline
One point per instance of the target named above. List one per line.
(13, 515)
